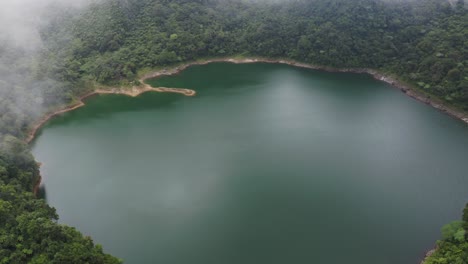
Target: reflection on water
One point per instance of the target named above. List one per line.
(266, 164)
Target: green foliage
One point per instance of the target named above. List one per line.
(17, 165)
(28, 226)
(453, 248)
(423, 42)
(109, 42)
(460, 235)
(453, 230)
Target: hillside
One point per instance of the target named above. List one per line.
(109, 43)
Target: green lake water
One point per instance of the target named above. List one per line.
(266, 164)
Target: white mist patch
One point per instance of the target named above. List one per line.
(22, 93)
(21, 19)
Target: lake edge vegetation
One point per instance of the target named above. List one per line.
(113, 43)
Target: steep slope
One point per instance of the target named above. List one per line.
(423, 43)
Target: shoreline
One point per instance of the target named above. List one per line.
(38, 182)
(428, 255)
(132, 92)
(173, 70)
(137, 90)
(405, 88)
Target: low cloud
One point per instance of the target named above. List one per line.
(20, 20)
(21, 96)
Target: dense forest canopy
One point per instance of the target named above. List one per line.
(64, 50)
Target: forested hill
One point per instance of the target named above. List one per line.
(422, 42)
(110, 42)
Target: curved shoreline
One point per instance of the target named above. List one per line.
(407, 89)
(133, 92)
(137, 90)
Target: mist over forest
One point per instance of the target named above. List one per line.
(41, 41)
(54, 51)
(22, 90)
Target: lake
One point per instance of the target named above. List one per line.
(267, 164)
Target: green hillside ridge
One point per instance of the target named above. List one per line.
(422, 43)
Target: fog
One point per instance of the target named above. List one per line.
(21, 19)
(21, 100)
(22, 97)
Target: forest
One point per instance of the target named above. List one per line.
(112, 42)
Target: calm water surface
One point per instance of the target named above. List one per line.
(267, 164)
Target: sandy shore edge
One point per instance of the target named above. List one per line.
(133, 92)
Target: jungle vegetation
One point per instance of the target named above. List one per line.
(110, 42)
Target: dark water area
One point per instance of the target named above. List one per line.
(266, 164)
